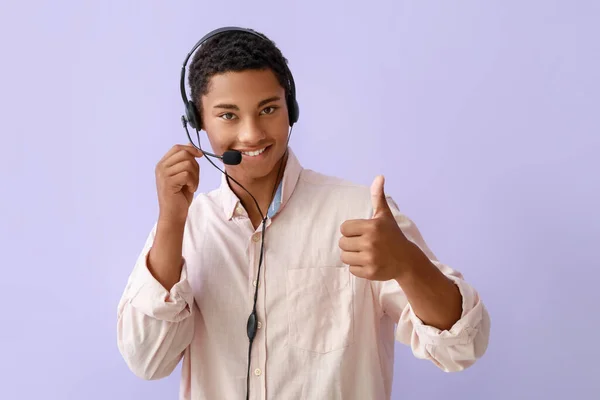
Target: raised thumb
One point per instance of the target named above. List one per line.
(380, 205)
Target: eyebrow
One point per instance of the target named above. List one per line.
(260, 104)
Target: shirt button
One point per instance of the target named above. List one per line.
(257, 372)
(259, 325)
(239, 210)
(256, 237)
(254, 283)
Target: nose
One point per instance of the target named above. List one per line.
(252, 132)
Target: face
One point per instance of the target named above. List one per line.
(246, 111)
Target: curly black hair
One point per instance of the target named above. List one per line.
(234, 51)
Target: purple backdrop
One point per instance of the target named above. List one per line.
(483, 117)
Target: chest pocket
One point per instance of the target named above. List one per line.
(320, 308)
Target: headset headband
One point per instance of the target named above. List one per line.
(291, 96)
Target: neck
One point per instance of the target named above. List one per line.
(263, 190)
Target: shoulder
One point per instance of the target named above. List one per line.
(328, 189)
(330, 184)
(205, 204)
(343, 191)
(203, 199)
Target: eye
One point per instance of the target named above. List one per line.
(227, 116)
(269, 110)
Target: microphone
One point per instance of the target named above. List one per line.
(230, 157)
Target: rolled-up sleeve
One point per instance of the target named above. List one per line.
(154, 325)
(451, 350)
(454, 349)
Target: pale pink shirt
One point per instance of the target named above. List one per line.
(323, 333)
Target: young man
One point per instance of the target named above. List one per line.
(341, 265)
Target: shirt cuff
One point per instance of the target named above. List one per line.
(463, 331)
(154, 300)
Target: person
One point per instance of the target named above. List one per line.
(282, 283)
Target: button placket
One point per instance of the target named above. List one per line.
(259, 344)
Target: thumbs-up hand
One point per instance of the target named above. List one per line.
(375, 248)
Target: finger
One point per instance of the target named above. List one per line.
(185, 165)
(178, 157)
(378, 200)
(355, 258)
(355, 227)
(196, 152)
(178, 153)
(358, 271)
(176, 149)
(353, 243)
(184, 178)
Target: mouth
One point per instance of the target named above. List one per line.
(255, 153)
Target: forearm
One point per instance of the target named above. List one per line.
(434, 298)
(165, 256)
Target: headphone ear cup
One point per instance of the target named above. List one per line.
(293, 111)
(192, 115)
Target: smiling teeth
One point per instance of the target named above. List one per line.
(254, 153)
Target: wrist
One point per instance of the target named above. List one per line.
(170, 224)
(414, 264)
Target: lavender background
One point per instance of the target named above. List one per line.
(484, 117)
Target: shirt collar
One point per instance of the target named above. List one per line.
(286, 187)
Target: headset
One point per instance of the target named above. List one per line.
(192, 115)
(234, 157)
